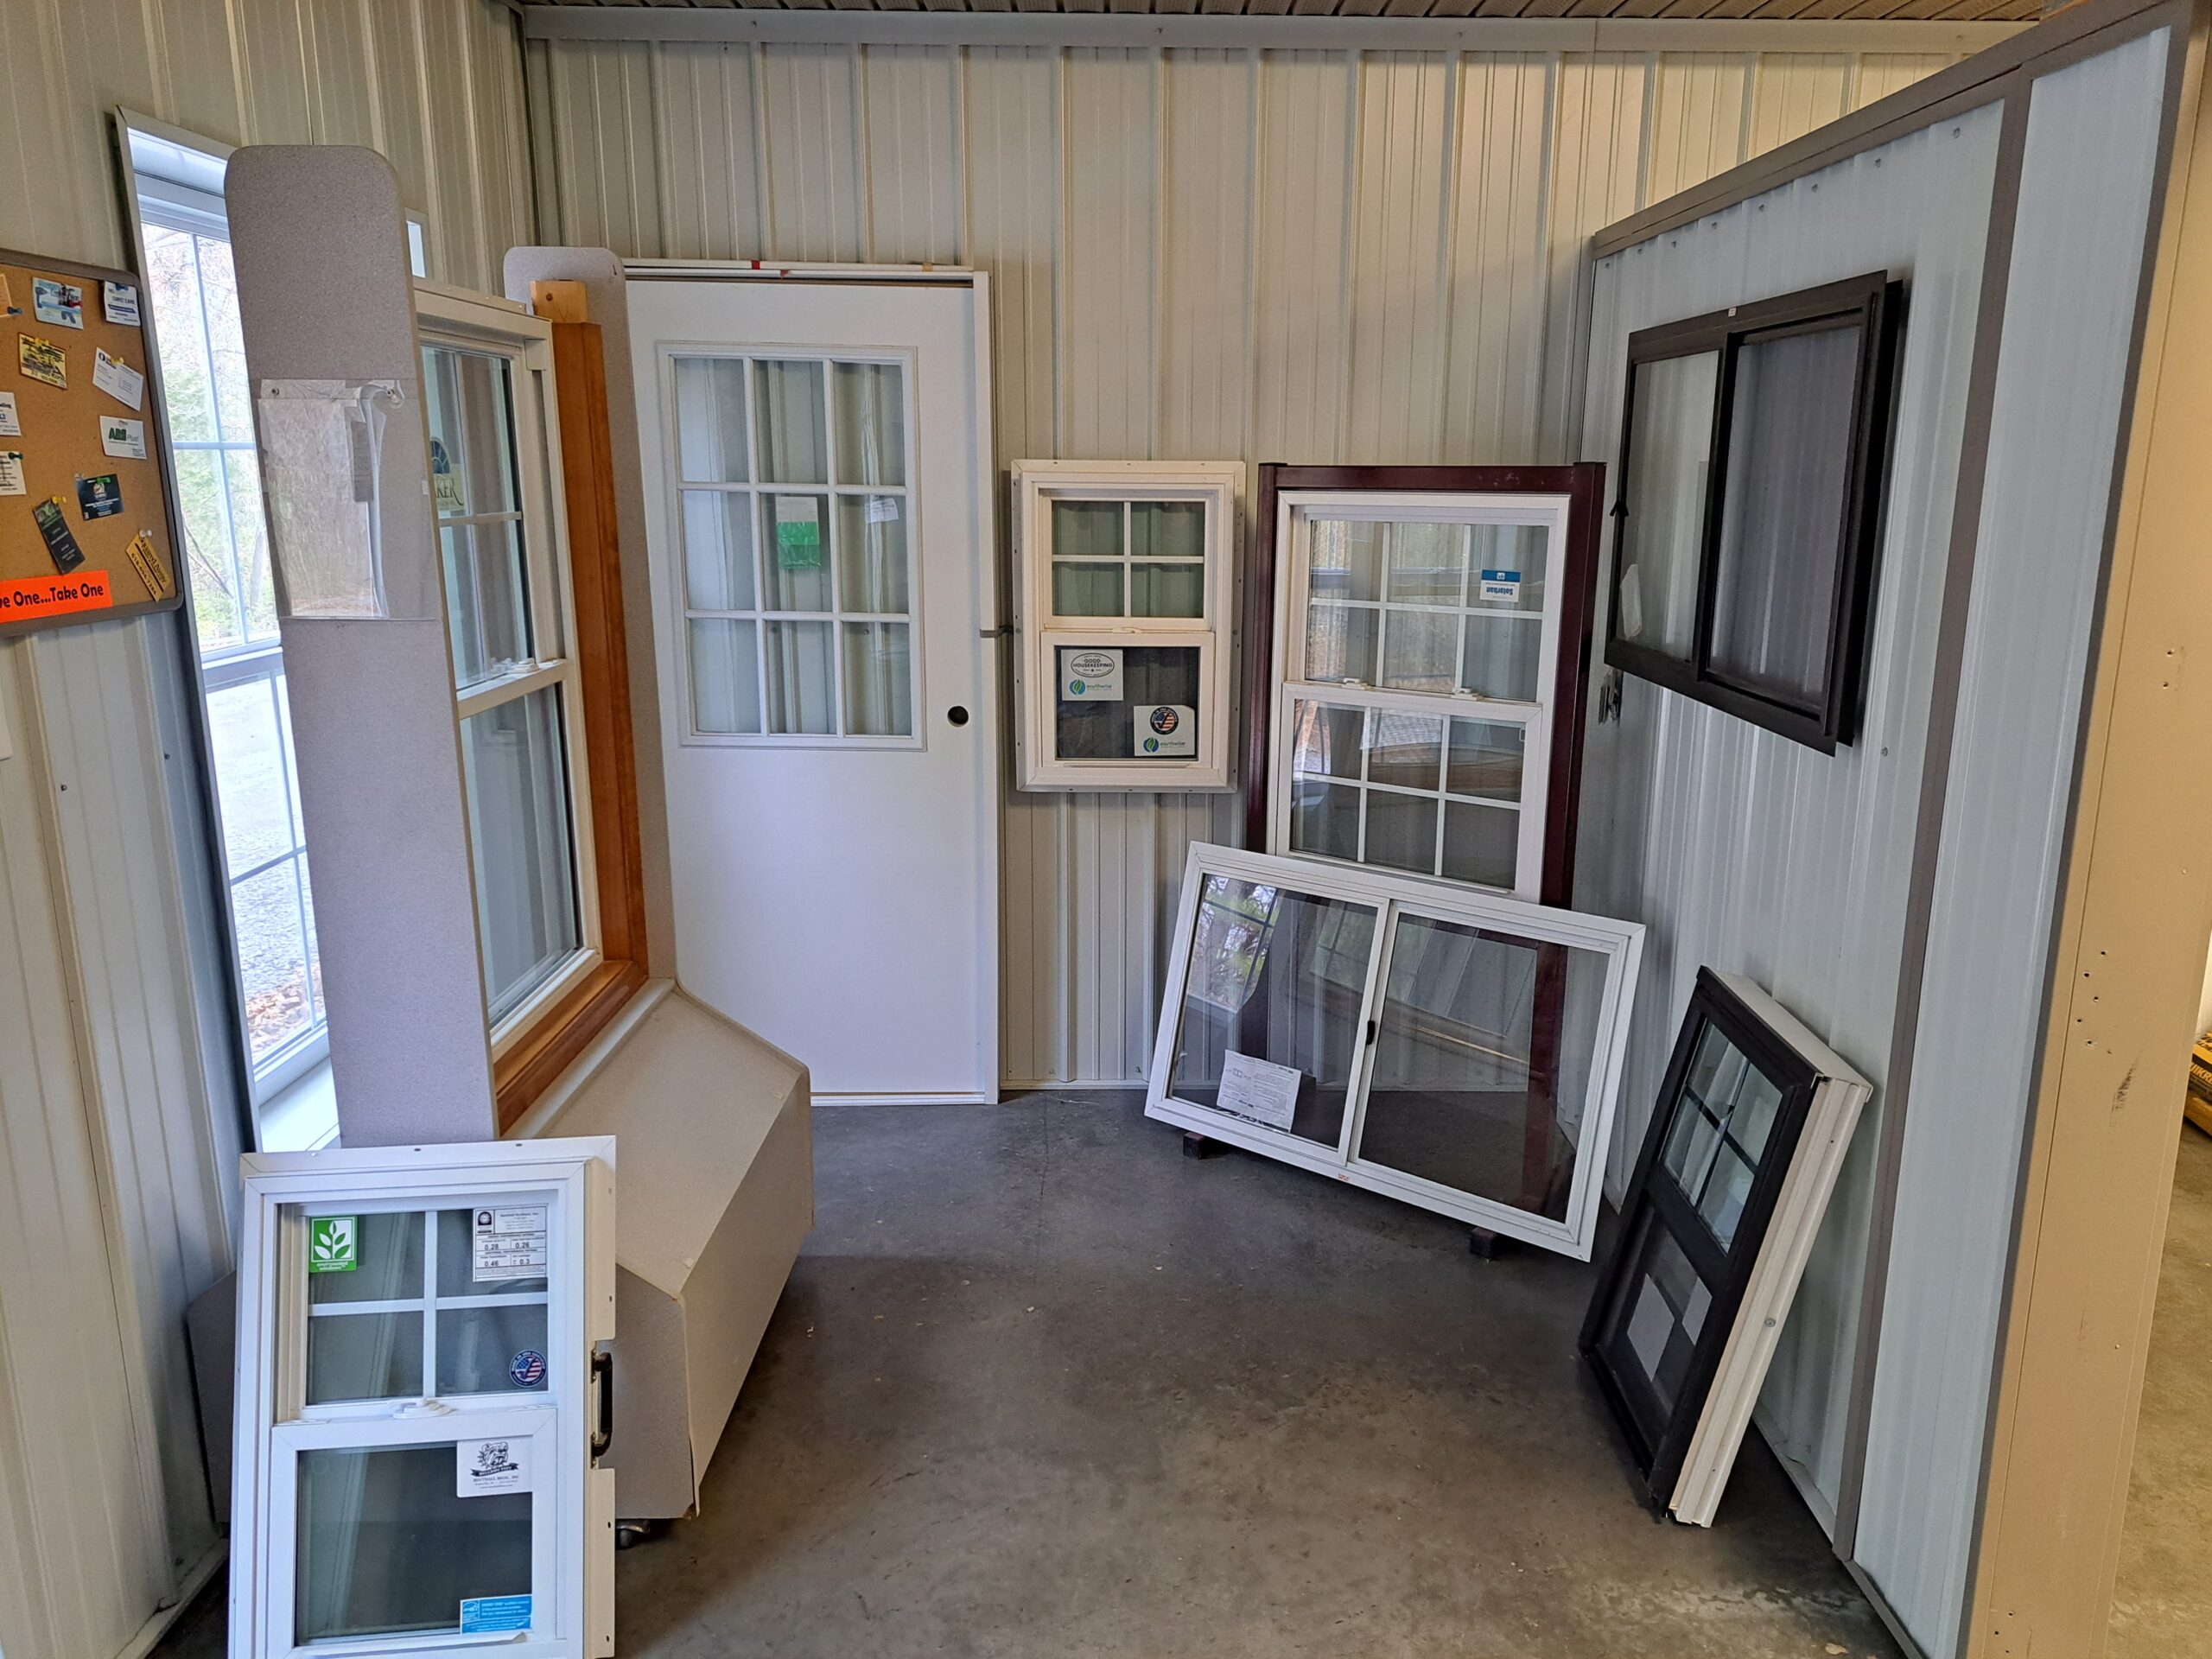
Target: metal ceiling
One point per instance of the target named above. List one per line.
(1760, 11)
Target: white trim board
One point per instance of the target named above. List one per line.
(841, 27)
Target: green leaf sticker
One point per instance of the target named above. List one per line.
(334, 1244)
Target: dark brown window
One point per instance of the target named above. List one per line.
(1752, 454)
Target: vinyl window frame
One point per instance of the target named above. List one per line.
(1875, 303)
(1042, 631)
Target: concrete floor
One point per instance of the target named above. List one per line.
(1042, 1385)
(2162, 1606)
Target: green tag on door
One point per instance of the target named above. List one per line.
(334, 1244)
(799, 533)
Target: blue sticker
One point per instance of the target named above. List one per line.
(1501, 584)
(527, 1368)
(479, 1614)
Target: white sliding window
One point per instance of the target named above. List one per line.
(494, 458)
(1416, 658)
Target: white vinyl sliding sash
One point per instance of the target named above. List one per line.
(1453, 1049)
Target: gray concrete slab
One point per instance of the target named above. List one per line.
(1041, 1385)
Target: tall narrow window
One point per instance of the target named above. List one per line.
(201, 364)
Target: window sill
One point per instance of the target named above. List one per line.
(524, 1071)
(302, 1115)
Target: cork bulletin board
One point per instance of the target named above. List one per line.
(84, 520)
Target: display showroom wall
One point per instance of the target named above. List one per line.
(120, 1108)
(1196, 254)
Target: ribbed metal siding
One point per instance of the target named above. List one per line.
(2085, 196)
(1738, 848)
(1279, 256)
(115, 1166)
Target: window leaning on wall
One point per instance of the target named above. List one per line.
(1752, 453)
(192, 297)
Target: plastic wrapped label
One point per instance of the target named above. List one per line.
(321, 453)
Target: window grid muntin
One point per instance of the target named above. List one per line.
(511, 458)
(757, 488)
(1467, 606)
(1125, 558)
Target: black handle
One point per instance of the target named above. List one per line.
(602, 1382)
(1373, 1030)
(957, 714)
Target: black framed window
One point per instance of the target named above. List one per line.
(1752, 456)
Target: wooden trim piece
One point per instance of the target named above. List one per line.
(603, 671)
(1583, 484)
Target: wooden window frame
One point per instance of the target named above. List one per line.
(1583, 484)
(564, 1031)
(1875, 304)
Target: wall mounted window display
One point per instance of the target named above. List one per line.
(1457, 1050)
(1753, 1121)
(1124, 574)
(1753, 452)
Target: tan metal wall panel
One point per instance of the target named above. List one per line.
(1282, 256)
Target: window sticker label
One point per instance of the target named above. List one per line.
(1502, 584)
(482, 1467)
(334, 1243)
(119, 302)
(59, 304)
(882, 509)
(1090, 676)
(1259, 1090)
(527, 1369)
(445, 483)
(510, 1244)
(1166, 728)
(481, 1615)
(798, 532)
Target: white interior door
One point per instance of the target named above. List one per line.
(818, 507)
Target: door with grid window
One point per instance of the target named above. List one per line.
(819, 519)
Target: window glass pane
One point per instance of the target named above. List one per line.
(1266, 980)
(795, 535)
(1420, 652)
(201, 503)
(488, 1350)
(710, 419)
(1726, 1191)
(1669, 450)
(1121, 727)
(518, 774)
(218, 287)
(800, 685)
(388, 1252)
(725, 674)
(365, 1356)
(788, 403)
(1426, 563)
(173, 289)
(487, 600)
(1402, 832)
(1406, 750)
(1340, 643)
(457, 1261)
(1507, 566)
(1482, 844)
(1782, 514)
(718, 551)
(1086, 589)
(250, 782)
(871, 554)
(1722, 1123)
(1086, 530)
(1347, 560)
(1482, 1062)
(1486, 759)
(871, 424)
(242, 476)
(1661, 1314)
(1501, 658)
(1691, 1143)
(1326, 739)
(1167, 530)
(270, 928)
(1325, 819)
(878, 680)
(1167, 589)
(387, 1544)
(472, 440)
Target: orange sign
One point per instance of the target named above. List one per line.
(85, 590)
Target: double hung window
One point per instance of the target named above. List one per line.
(1752, 460)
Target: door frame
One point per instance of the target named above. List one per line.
(989, 711)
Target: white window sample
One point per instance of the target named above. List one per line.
(487, 379)
(1124, 577)
(423, 1402)
(1417, 643)
(793, 495)
(1455, 1049)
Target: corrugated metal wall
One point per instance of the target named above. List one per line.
(1736, 847)
(2066, 352)
(1197, 255)
(113, 1158)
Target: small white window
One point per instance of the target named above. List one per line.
(1125, 577)
(793, 484)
